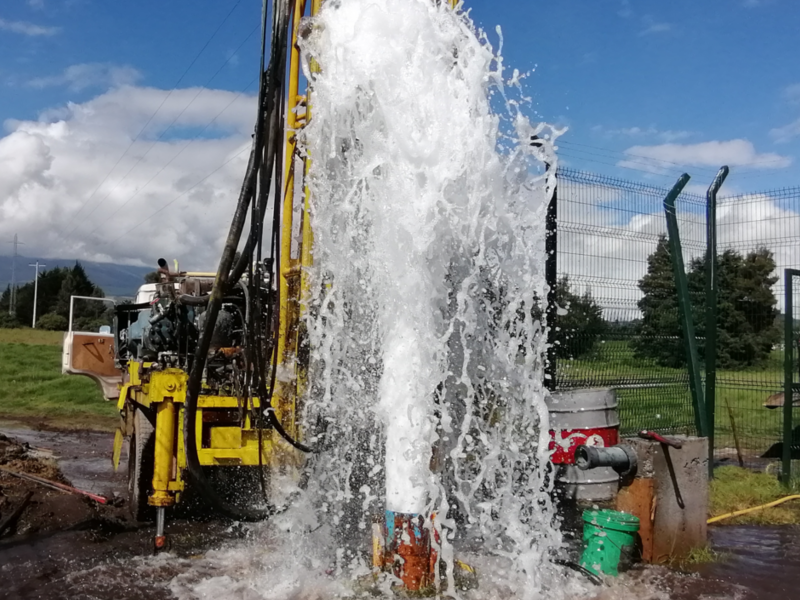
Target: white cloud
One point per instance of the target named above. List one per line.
(607, 233)
(30, 29)
(786, 133)
(652, 26)
(37, 4)
(81, 76)
(53, 165)
(642, 132)
(734, 153)
(625, 10)
(792, 93)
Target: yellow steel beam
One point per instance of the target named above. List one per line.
(166, 433)
(293, 270)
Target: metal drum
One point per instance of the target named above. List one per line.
(583, 417)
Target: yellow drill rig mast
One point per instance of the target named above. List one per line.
(197, 356)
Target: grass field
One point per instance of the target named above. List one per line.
(650, 396)
(734, 489)
(655, 397)
(33, 390)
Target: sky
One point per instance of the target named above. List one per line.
(126, 125)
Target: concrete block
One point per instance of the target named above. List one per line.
(674, 509)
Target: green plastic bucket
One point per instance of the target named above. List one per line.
(609, 540)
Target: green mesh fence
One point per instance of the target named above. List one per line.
(793, 440)
(763, 227)
(607, 230)
(609, 234)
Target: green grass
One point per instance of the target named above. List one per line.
(33, 390)
(31, 336)
(655, 397)
(698, 557)
(735, 489)
(650, 396)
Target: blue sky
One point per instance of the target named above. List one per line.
(648, 89)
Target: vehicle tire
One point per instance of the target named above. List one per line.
(141, 457)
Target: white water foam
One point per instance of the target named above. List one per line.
(429, 253)
(428, 210)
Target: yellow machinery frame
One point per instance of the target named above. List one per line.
(163, 392)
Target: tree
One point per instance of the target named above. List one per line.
(152, 277)
(52, 322)
(659, 332)
(746, 313)
(579, 321)
(55, 288)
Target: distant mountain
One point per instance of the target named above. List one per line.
(115, 280)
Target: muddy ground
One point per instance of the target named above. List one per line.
(65, 546)
(45, 510)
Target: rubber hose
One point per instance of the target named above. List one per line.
(220, 286)
(190, 300)
(580, 569)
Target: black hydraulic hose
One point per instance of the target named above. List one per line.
(276, 256)
(220, 287)
(190, 300)
(247, 251)
(196, 374)
(246, 293)
(274, 79)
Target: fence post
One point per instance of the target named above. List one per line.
(685, 306)
(711, 311)
(551, 277)
(788, 373)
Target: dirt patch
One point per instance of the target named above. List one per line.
(79, 422)
(46, 509)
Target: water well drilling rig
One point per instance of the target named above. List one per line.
(193, 364)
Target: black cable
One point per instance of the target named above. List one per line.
(221, 284)
(579, 569)
(138, 135)
(276, 259)
(262, 158)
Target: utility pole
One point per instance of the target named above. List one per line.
(12, 300)
(35, 289)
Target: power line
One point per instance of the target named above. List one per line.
(163, 133)
(168, 163)
(138, 135)
(178, 197)
(12, 299)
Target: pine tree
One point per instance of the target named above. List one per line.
(581, 326)
(746, 311)
(659, 332)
